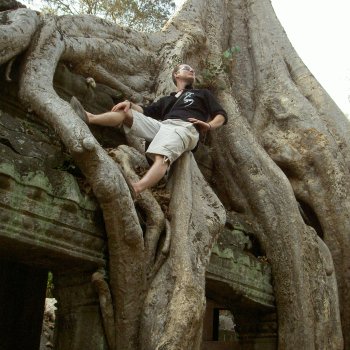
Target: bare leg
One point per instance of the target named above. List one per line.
(153, 175)
(158, 168)
(111, 118)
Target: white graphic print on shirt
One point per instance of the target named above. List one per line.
(188, 98)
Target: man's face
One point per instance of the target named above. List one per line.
(186, 73)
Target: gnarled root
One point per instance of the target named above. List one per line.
(130, 159)
(106, 306)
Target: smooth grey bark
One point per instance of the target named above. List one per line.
(285, 142)
(16, 30)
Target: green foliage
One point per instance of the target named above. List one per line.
(49, 286)
(228, 58)
(143, 15)
(211, 72)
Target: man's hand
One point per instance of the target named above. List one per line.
(125, 106)
(214, 123)
(203, 126)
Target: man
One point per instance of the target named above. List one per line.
(171, 125)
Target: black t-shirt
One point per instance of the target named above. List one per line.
(192, 103)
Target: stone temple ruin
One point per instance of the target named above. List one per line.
(50, 222)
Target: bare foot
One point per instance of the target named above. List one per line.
(89, 116)
(137, 188)
(79, 109)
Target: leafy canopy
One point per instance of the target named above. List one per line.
(143, 15)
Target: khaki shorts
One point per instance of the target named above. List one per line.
(169, 138)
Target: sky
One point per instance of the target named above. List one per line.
(319, 30)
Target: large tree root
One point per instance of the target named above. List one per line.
(106, 305)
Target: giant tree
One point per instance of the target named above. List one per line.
(282, 162)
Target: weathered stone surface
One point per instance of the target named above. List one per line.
(78, 323)
(42, 207)
(38, 227)
(236, 275)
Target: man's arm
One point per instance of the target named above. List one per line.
(155, 110)
(215, 123)
(126, 106)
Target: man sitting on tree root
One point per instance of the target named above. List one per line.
(171, 125)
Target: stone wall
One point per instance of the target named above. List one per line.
(49, 221)
(238, 280)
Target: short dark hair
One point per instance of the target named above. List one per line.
(176, 68)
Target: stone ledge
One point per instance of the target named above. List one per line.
(38, 228)
(237, 273)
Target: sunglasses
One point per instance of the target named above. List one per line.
(187, 68)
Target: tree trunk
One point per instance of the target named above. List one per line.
(282, 160)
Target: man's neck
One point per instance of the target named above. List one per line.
(181, 85)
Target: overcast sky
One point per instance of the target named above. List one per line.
(319, 31)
